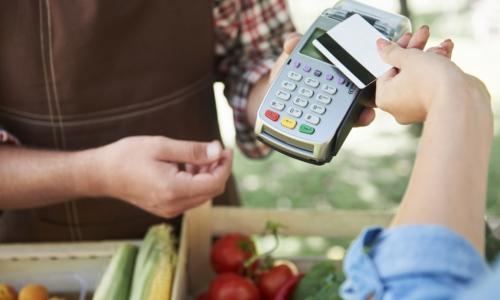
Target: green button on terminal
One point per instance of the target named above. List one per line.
(306, 129)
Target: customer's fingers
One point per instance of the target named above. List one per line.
(419, 38)
(404, 40)
(391, 52)
(444, 49)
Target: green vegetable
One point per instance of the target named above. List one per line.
(155, 265)
(116, 282)
(322, 282)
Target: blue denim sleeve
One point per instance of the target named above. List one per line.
(485, 288)
(410, 263)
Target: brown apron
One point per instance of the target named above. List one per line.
(85, 73)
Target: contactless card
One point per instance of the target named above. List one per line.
(351, 47)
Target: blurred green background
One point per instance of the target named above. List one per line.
(373, 167)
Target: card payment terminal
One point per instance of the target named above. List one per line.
(310, 108)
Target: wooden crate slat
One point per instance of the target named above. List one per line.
(61, 250)
(199, 235)
(332, 223)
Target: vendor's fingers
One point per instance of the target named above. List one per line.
(189, 186)
(191, 168)
(419, 38)
(291, 41)
(366, 117)
(404, 40)
(205, 168)
(213, 166)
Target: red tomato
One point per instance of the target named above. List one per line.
(203, 296)
(287, 289)
(230, 252)
(271, 281)
(229, 286)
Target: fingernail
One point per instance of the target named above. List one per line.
(447, 41)
(426, 27)
(213, 150)
(382, 43)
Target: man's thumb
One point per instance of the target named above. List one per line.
(390, 52)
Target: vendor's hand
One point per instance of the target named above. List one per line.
(420, 80)
(163, 176)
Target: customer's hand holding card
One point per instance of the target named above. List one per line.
(351, 47)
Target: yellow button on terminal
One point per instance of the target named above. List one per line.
(289, 123)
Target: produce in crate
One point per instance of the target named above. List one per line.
(288, 288)
(155, 264)
(230, 286)
(141, 273)
(34, 292)
(270, 281)
(28, 292)
(322, 282)
(7, 292)
(116, 282)
(230, 252)
(245, 274)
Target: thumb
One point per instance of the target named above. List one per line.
(391, 52)
(190, 152)
(291, 40)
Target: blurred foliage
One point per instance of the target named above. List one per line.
(350, 181)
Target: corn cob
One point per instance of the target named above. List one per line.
(115, 284)
(155, 265)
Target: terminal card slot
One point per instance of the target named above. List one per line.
(278, 138)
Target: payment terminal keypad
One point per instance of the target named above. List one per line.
(304, 97)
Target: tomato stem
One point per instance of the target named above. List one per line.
(271, 228)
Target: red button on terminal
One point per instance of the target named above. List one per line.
(272, 115)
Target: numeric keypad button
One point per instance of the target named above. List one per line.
(329, 89)
(324, 99)
(300, 102)
(294, 76)
(287, 85)
(283, 95)
(311, 82)
(306, 92)
(312, 119)
(319, 109)
(277, 105)
(294, 112)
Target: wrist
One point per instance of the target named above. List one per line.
(461, 98)
(88, 178)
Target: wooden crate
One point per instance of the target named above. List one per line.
(86, 262)
(72, 269)
(206, 222)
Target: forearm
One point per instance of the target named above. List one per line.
(448, 183)
(31, 178)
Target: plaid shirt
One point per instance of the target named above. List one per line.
(249, 35)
